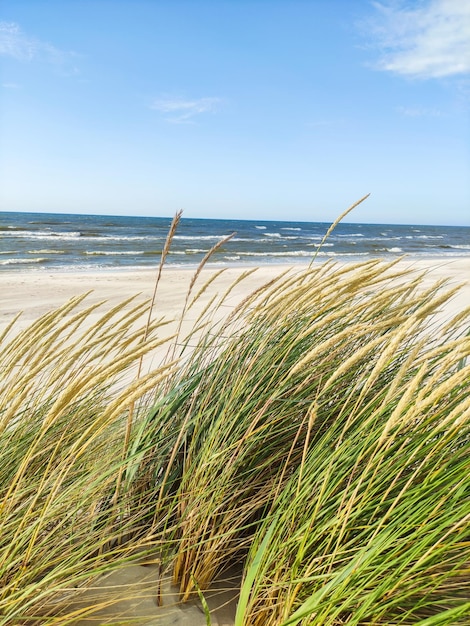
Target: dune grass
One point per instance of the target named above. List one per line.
(316, 436)
(62, 416)
(334, 421)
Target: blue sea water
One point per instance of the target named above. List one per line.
(43, 241)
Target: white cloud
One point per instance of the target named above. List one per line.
(16, 44)
(422, 40)
(419, 112)
(182, 111)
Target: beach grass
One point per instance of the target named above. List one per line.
(64, 395)
(315, 437)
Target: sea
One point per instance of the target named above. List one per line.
(63, 242)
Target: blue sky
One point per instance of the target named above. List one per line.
(252, 109)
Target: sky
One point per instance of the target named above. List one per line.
(249, 109)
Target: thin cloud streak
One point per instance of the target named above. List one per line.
(431, 41)
(14, 43)
(419, 112)
(184, 111)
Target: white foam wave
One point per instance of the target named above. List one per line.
(381, 239)
(288, 228)
(22, 261)
(114, 253)
(199, 237)
(261, 227)
(42, 234)
(300, 253)
(342, 254)
(46, 251)
(108, 238)
(394, 250)
(353, 235)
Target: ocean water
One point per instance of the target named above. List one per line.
(42, 241)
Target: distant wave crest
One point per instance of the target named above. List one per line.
(23, 261)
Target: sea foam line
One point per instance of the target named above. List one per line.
(115, 253)
(22, 261)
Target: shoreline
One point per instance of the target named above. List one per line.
(233, 264)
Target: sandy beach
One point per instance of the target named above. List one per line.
(35, 293)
